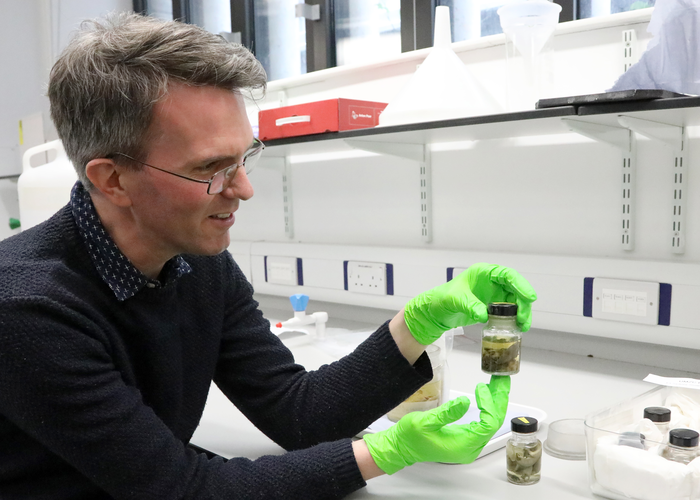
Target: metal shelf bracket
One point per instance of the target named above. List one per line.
(624, 140)
(282, 165)
(287, 199)
(674, 137)
(415, 152)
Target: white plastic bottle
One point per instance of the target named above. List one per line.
(44, 190)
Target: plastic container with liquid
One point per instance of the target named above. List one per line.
(427, 397)
(500, 340)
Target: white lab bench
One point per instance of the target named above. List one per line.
(563, 385)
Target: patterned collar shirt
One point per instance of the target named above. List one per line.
(113, 266)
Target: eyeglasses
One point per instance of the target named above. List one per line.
(221, 179)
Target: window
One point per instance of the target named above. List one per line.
(162, 9)
(212, 15)
(280, 38)
(367, 30)
(349, 31)
(595, 8)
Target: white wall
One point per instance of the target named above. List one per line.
(548, 205)
(32, 35)
(25, 62)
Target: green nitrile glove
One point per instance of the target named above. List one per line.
(426, 437)
(463, 301)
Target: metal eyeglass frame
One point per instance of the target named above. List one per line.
(227, 173)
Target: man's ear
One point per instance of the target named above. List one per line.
(105, 175)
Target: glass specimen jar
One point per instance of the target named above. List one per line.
(523, 452)
(500, 340)
(682, 446)
(429, 395)
(661, 417)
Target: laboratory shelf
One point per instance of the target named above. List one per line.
(680, 111)
(504, 125)
(616, 123)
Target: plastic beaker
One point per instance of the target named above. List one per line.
(428, 396)
(528, 26)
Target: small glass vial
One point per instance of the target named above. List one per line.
(500, 340)
(523, 452)
(661, 417)
(682, 446)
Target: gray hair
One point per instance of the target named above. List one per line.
(103, 87)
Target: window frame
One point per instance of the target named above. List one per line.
(417, 20)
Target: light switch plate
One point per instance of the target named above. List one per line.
(626, 300)
(283, 270)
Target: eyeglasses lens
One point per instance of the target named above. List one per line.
(251, 160)
(217, 182)
(223, 178)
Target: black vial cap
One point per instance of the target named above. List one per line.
(685, 438)
(657, 414)
(502, 309)
(523, 425)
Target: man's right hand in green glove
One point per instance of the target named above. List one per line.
(426, 437)
(463, 300)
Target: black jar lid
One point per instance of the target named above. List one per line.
(523, 425)
(657, 414)
(685, 438)
(502, 309)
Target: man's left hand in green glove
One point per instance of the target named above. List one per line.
(426, 437)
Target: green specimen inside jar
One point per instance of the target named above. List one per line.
(523, 462)
(500, 354)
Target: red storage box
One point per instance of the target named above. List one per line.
(318, 117)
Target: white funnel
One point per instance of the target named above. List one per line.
(442, 33)
(442, 88)
(529, 24)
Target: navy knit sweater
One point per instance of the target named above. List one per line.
(98, 398)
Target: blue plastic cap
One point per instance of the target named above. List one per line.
(299, 301)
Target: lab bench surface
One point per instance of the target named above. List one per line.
(563, 385)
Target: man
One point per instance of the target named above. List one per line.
(119, 311)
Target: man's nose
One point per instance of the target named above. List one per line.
(239, 186)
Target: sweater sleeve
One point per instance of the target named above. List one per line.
(60, 387)
(298, 408)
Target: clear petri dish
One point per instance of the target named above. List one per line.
(566, 439)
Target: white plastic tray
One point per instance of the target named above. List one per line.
(499, 439)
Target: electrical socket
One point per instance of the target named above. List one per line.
(452, 272)
(283, 270)
(366, 277)
(626, 300)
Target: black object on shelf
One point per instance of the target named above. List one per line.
(608, 97)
